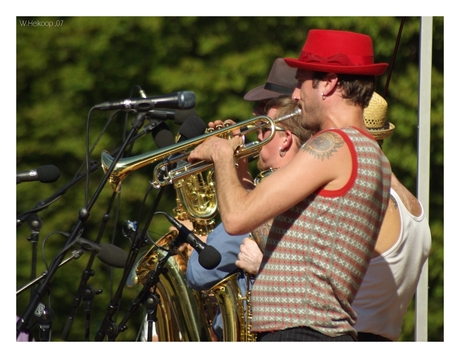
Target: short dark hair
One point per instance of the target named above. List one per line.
(358, 89)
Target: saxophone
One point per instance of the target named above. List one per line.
(196, 201)
(235, 308)
(182, 313)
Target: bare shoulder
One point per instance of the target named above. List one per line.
(331, 159)
(409, 200)
(324, 145)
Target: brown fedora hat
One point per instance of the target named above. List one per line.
(341, 52)
(281, 80)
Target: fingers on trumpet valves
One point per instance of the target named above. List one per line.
(223, 124)
(219, 124)
(238, 142)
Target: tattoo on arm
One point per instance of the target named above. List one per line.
(323, 146)
(260, 234)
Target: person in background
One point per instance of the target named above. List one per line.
(328, 202)
(401, 251)
(402, 248)
(281, 81)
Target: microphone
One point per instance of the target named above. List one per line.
(44, 174)
(193, 127)
(176, 100)
(162, 135)
(178, 116)
(208, 256)
(109, 254)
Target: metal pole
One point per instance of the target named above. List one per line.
(423, 171)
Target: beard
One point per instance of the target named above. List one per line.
(310, 118)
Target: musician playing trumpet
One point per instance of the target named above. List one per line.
(327, 203)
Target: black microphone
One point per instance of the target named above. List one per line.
(179, 116)
(193, 127)
(176, 100)
(162, 135)
(208, 256)
(109, 254)
(44, 174)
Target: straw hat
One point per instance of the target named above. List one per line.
(281, 80)
(375, 118)
(341, 52)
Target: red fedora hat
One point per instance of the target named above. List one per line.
(340, 52)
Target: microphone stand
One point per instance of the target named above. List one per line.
(45, 314)
(148, 298)
(85, 291)
(88, 297)
(75, 255)
(45, 317)
(35, 223)
(83, 216)
(108, 327)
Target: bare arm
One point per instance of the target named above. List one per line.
(325, 161)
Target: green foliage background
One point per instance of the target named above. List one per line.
(63, 71)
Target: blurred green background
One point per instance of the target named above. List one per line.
(65, 69)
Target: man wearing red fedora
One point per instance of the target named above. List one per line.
(327, 204)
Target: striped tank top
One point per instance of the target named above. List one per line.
(317, 252)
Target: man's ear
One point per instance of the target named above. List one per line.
(330, 83)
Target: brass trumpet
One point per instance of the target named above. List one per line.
(179, 152)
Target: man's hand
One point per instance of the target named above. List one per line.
(215, 145)
(250, 256)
